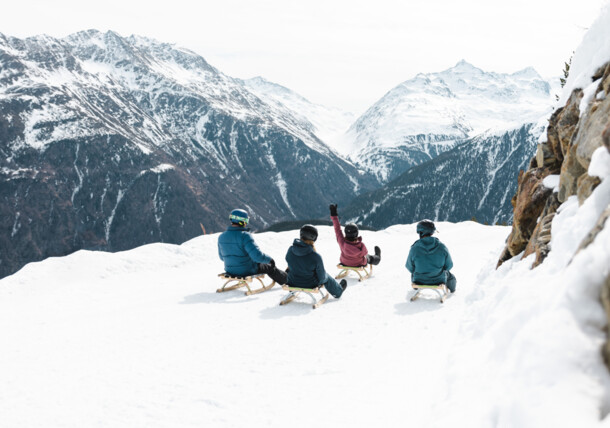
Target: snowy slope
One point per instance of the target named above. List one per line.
(431, 113)
(141, 338)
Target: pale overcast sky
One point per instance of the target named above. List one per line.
(344, 53)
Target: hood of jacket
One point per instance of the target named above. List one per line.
(428, 243)
(356, 243)
(300, 248)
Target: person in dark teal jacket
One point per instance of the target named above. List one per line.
(429, 260)
(305, 266)
(241, 255)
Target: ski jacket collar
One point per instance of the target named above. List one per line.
(238, 229)
(356, 243)
(300, 248)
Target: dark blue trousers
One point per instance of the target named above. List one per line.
(451, 281)
(332, 286)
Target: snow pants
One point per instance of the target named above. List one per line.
(451, 281)
(332, 286)
(274, 273)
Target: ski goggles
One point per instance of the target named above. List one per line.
(238, 219)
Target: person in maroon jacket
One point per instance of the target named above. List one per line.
(353, 250)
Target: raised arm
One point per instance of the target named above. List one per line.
(334, 217)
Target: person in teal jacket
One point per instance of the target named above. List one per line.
(429, 260)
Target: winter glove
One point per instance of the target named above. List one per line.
(333, 210)
(272, 262)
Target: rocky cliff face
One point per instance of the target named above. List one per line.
(560, 171)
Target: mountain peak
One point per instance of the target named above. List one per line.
(464, 66)
(463, 63)
(527, 72)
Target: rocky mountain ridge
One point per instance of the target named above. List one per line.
(110, 143)
(433, 113)
(329, 124)
(474, 180)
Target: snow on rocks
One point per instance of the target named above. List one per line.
(592, 53)
(530, 345)
(600, 163)
(551, 182)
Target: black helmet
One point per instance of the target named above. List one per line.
(426, 227)
(309, 233)
(351, 231)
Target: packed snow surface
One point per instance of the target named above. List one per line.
(141, 338)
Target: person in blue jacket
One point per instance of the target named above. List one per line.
(429, 260)
(241, 255)
(305, 266)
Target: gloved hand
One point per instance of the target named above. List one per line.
(272, 262)
(333, 210)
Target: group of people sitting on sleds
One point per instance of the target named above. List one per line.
(429, 261)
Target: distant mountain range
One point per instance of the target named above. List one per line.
(112, 142)
(475, 180)
(433, 113)
(328, 124)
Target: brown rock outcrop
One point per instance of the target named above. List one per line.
(552, 136)
(528, 204)
(539, 242)
(568, 120)
(588, 137)
(586, 185)
(571, 170)
(572, 138)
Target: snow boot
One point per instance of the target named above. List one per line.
(378, 251)
(343, 284)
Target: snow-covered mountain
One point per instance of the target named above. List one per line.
(112, 142)
(432, 113)
(329, 124)
(476, 179)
